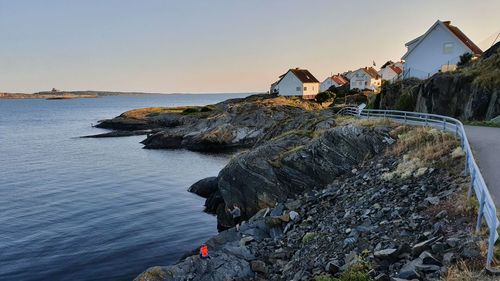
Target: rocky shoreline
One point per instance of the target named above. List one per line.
(323, 197)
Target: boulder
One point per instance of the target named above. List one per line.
(205, 187)
(259, 266)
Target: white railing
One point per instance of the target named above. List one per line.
(487, 208)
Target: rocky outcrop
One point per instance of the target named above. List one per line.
(205, 187)
(410, 228)
(236, 123)
(288, 166)
(456, 95)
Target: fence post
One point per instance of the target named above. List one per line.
(444, 124)
(405, 117)
(491, 243)
(471, 187)
(467, 159)
(426, 122)
(481, 209)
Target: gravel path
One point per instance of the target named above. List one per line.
(485, 142)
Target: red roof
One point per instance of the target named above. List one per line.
(396, 69)
(457, 32)
(339, 80)
(372, 72)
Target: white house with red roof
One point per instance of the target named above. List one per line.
(438, 49)
(390, 72)
(334, 80)
(365, 78)
(296, 82)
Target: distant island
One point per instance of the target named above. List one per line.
(57, 94)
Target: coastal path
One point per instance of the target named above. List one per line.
(485, 143)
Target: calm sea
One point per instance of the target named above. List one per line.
(95, 209)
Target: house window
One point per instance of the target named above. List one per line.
(298, 89)
(448, 48)
(305, 88)
(366, 83)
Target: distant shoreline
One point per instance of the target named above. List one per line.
(60, 95)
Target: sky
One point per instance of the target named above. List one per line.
(213, 46)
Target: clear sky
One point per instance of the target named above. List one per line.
(212, 45)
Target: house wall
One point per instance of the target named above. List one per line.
(310, 90)
(290, 85)
(427, 57)
(359, 80)
(325, 85)
(387, 74)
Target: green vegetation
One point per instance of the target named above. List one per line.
(308, 237)
(355, 272)
(465, 60)
(484, 72)
(401, 94)
(483, 124)
(405, 102)
(326, 96)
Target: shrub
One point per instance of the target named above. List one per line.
(325, 96)
(206, 109)
(191, 110)
(465, 59)
(405, 102)
(354, 91)
(355, 272)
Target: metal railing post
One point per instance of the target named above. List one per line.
(491, 243)
(481, 209)
(471, 187)
(444, 124)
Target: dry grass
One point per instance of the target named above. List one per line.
(428, 144)
(344, 120)
(143, 113)
(289, 101)
(464, 271)
(457, 206)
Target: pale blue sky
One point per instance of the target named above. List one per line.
(211, 46)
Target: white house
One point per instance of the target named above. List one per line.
(390, 72)
(365, 78)
(438, 49)
(335, 80)
(296, 82)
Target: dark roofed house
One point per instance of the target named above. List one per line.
(296, 82)
(437, 50)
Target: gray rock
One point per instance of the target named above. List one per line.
(204, 187)
(386, 254)
(409, 270)
(432, 200)
(259, 266)
(417, 249)
(442, 214)
(428, 259)
(332, 267)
